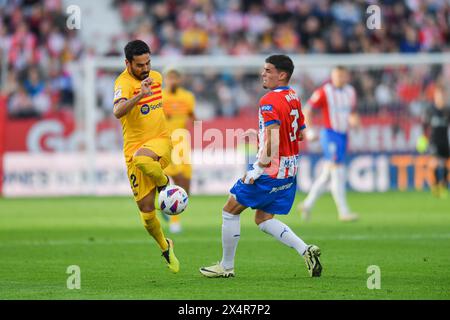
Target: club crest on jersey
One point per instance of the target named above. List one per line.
(145, 109)
(118, 93)
(266, 108)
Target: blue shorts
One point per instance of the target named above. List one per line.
(274, 196)
(334, 145)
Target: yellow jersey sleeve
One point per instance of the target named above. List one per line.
(123, 89)
(157, 78)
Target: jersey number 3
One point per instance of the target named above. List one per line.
(294, 124)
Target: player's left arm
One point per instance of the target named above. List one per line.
(317, 101)
(354, 120)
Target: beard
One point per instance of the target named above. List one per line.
(140, 76)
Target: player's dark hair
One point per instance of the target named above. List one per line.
(173, 71)
(282, 63)
(135, 48)
(341, 68)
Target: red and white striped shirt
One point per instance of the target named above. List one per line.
(336, 104)
(282, 106)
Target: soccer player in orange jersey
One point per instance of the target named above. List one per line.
(178, 105)
(147, 145)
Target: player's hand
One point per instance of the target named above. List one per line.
(146, 86)
(354, 121)
(311, 134)
(252, 175)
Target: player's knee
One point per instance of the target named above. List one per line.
(147, 165)
(228, 207)
(139, 160)
(260, 219)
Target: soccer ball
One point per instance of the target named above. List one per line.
(173, 200)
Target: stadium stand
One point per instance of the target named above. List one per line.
(37, 47)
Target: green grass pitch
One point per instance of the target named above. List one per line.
(406, 234)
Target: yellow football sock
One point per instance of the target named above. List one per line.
(151, 223)
(151, 168)
(174, 219)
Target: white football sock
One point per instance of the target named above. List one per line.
(338, 180)
(231, 232)
(318, 187)
(283, 233)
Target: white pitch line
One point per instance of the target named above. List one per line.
(354, 237)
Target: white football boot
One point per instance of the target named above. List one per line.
(216, 271)
(312, 261)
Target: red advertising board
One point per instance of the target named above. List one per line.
(58, 133)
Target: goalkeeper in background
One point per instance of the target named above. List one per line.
(435, 126)
(178, 105)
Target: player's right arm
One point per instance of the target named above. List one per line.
(269, 153)
(122, 107)
(123, 103)
(270, 150)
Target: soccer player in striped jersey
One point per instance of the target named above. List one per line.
(178, 106)
(337, 102)
(270, 183)
(146, 141)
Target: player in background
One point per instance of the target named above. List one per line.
(147, 145)
(178, 105)
(337, 102)
(270, 183)
(435, 126)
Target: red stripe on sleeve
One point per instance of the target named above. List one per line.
(150, 100)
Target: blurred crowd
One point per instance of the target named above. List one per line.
(36, 48)
(234, 27)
